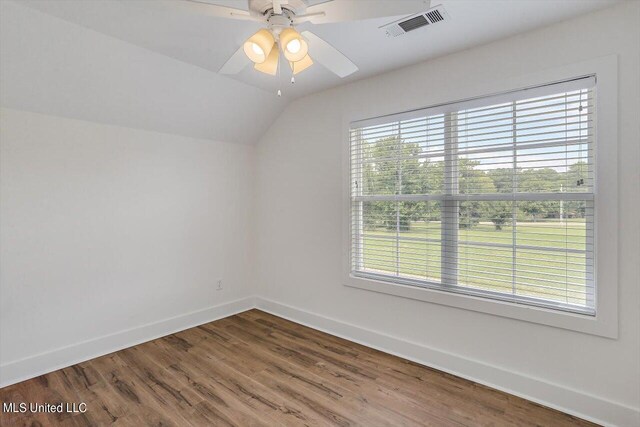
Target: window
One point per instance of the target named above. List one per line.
(491, 197)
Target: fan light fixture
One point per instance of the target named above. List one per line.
(259, 46)
(263, 49)
(299, 66)
(293, 45)
(270, 66)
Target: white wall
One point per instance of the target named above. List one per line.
(114, 228)
(106, 229)
(299, 190)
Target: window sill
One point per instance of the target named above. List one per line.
(593, 325)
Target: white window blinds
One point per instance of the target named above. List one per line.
(492, 197)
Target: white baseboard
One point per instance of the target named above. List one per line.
(574, 402)
(50, 361)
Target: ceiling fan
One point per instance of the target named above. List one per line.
(300, 49)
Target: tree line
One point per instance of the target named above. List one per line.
(390, 168)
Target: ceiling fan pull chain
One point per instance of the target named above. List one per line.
(279, 91)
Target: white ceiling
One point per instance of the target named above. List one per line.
(54, 67)
(179, 30)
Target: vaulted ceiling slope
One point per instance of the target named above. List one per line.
(189, 32)
(51, 66)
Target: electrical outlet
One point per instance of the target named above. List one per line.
(219, 287)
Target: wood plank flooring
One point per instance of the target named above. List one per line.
(256, 369)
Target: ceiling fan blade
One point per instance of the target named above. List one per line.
(329, 56)
(358, 10)
(209, 8)
(236, 63)
(307, 17)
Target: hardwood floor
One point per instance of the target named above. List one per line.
(255, 369)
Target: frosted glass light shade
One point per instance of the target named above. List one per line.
(293, 45)
(270, 66)
(258, 46)
(303, 64)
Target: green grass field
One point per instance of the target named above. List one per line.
(533, 271)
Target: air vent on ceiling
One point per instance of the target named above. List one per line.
(413, 23)
(418, 20)
(435, 16)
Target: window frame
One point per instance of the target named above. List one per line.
(604, 323)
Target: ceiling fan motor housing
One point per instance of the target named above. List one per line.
(277, 23)
(262, 7)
